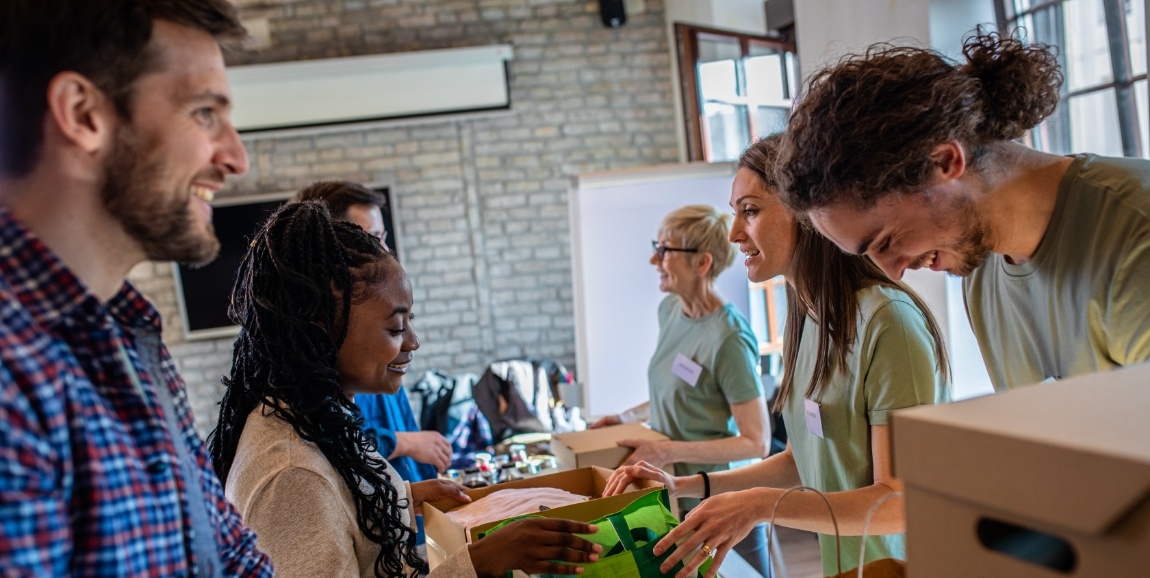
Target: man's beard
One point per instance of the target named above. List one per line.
(160, 221)
(975, 244)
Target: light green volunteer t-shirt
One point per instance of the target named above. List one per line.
(726, 350)
(892, 366)
(1082, 303)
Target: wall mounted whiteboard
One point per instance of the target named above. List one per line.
(614, 216)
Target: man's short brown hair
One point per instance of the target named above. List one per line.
(104, 40)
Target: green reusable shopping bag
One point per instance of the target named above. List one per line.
(628, 538)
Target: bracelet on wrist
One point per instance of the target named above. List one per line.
(706, 484)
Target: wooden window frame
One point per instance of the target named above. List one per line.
(687, 41)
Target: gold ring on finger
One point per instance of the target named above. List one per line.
(708, 551)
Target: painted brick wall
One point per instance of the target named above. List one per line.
(481, 203)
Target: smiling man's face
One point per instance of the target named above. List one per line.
(912, 231)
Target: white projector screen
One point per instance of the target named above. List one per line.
(614, 217)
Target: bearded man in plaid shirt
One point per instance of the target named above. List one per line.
(114, 135)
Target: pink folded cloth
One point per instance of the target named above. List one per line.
(509, 503)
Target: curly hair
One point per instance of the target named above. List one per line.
(292, 300)
(868, 125)
(823, 283)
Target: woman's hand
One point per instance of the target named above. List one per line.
(624, 476)
(535, 546)
(720, 522)
(605, 421)
(432, 490)
(653, 452)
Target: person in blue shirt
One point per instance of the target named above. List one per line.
(416, 455)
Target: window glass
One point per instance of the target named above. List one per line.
(1141, 98)
(1136, 33)
(770, 120)
(766, 83)
(1086, 52)
(1094, 123)
(1016, 6)
(719, 80)
(713, 47)
(727, 130)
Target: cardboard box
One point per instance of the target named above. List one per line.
(596, 447)
(1059, 470)
(444, 536)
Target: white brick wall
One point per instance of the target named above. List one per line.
(481, 203)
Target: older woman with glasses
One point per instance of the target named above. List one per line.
(705, 390)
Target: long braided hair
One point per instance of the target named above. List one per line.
(292, 300)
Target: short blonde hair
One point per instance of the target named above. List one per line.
(705, 228)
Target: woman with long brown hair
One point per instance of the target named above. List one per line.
(857, 346)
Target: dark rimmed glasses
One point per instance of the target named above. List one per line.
(661, 250)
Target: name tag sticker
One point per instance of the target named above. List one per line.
(686, 370)
(814, 417)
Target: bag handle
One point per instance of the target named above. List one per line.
(866, 525)
(834, 520)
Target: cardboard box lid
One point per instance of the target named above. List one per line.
(605, 437)
(1074, 454)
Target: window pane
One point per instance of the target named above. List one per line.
(718, 81)
(1087, 46)
(1136, 32)
(1015, 6)
(765, 79)
(1094, 123)
(770, 120)
(727, 130)
(792, 77)
(712, 48)
(1141, 98)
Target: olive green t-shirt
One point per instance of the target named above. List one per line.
(723, 344)
(893, 365)
(1082, 303)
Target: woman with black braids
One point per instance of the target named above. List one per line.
(325, 313)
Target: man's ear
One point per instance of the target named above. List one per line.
(949, 159)
(80, 111)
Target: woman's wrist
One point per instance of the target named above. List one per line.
(688, 486)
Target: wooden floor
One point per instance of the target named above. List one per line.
(800, 553)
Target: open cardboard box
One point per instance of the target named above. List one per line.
(596, 447)
(1058, 470)
(444, 536)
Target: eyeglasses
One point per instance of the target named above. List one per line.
(661, 250)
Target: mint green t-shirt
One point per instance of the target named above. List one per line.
(892, 366)
(726, 348)
(1082, 303)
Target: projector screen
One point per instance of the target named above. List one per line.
(204, 292)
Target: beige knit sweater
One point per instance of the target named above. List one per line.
(301, 510)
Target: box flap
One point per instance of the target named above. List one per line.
(582, 512)
(1074, 454)
(605, 437)
(445, 536)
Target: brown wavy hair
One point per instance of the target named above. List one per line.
(866, 127)
(823, 283)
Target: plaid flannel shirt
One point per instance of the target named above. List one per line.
(89, 482)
